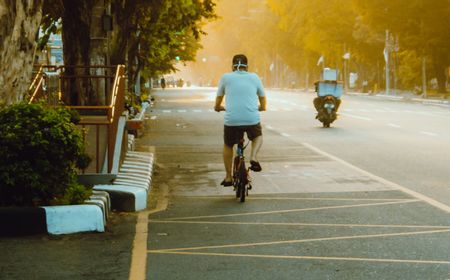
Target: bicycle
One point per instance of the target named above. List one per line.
(241, 179)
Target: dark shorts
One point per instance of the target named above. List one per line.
(232, 134)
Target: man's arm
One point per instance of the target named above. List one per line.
(262, 103)
(218, 107)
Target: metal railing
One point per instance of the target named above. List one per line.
(99, 98)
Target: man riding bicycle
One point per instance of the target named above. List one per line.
(245, 97)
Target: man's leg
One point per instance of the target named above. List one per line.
(228, 161)
(256, 146)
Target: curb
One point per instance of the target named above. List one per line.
(19, 221)
(129, 191)
(74, 218)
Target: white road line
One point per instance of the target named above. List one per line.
(298, 241)
(285, 134)
(210, 110)
(299, 224)
(415, 194)
(197, 111)
(394, 125)
(181, 111)
(296, 210)
(153, 117)
(269, 127)
(406, 261)
(429, 133)
(167, 111)
(356, 117)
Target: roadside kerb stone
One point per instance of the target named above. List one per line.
(62, 219)
(137, 167)
(125, 198)
(137, 162)
(100, 204)
(129, 191)
(74, 218)
(134, 171)
(105, 195)
(137, 177)
(133, 184)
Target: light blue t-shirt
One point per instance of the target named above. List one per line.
(241, 90)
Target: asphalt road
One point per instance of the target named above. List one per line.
(365, 199)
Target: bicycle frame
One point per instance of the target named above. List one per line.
(241, 178)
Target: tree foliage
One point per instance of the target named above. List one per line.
(293, 34)
(40, 148)
(333, 27)
(147, 35)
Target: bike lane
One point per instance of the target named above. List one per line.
(321, 222)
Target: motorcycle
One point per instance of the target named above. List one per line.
(329, 91)
(327, 109)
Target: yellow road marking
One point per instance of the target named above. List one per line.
(307, 257)
(298, 224)
(295, 210)
(139, 254)
(300, 241)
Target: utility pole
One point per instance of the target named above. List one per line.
(395, 61)
(386, 58)
(424, 76)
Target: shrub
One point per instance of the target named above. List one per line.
(40, 150)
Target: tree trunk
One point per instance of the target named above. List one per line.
(19, 23)
(440, 70)
(84, 45)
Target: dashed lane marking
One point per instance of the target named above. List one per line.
(394, 125)
(429, 133)
(356, 117)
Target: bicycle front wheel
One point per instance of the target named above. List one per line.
(243, 181)
(242, 192)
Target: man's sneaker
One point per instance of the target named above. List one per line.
(226, 183)
(255, 166)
